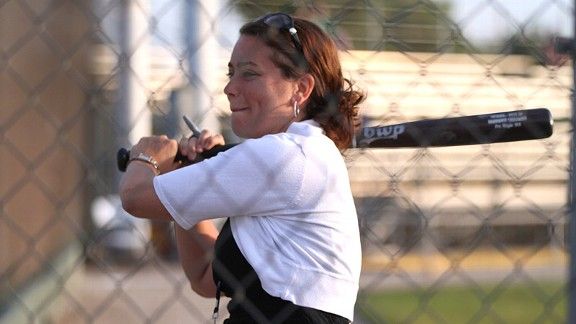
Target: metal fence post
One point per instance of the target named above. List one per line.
(134, 117)
(202, 50)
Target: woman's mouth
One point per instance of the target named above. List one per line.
(238, 109)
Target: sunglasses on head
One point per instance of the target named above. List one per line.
(282, 21)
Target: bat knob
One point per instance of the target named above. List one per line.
(122, 158)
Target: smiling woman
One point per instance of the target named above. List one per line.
(261, 99)
(289, 251)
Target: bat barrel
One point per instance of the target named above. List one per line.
(498, 127)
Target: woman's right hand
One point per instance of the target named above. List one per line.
(160, 148)
(192, 146)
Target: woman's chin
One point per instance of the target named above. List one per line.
(240, 129)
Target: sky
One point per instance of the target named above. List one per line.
(479, 20)
(488, 20)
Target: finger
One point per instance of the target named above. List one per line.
(144, 145)
(210, 139)
(183, 145)
(214, 140)
(189, 148)
(201, 142)
(166, 154)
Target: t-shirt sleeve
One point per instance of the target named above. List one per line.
(259, 177)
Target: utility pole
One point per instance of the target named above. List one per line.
(202, 53)
(133, 114)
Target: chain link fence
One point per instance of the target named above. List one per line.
(469, 234)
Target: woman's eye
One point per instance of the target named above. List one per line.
(249, 74)
(243, 74)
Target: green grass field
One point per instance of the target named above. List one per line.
(529, 303)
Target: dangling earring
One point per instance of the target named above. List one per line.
(296, 109)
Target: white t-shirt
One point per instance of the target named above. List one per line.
(291, 213)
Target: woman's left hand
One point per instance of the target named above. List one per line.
(192, 146)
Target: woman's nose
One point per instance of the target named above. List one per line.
(229, 89)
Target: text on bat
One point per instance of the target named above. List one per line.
(384, 132)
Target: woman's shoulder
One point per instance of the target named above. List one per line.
(274, 142)
(269, 151)
(302, 138)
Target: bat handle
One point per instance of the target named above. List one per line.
(123, 156)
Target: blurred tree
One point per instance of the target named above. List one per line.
(531, 44)
(391, 25)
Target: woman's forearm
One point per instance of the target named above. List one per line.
(138, 195)
(196, 250)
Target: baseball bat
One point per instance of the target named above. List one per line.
(499, 127)
(507, 126)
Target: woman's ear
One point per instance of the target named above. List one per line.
(305, 86)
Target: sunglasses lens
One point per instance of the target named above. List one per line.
(279, 21)
(283, 21)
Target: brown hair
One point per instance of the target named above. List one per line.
(334, 101)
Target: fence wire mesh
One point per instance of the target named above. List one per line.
(468, 234)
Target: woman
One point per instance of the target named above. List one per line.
(289, 251)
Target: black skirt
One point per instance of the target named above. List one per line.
(249, 302)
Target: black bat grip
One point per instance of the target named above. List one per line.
(123, 156)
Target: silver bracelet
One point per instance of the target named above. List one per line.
(146, 158)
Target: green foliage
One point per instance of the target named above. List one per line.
(391, 25)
